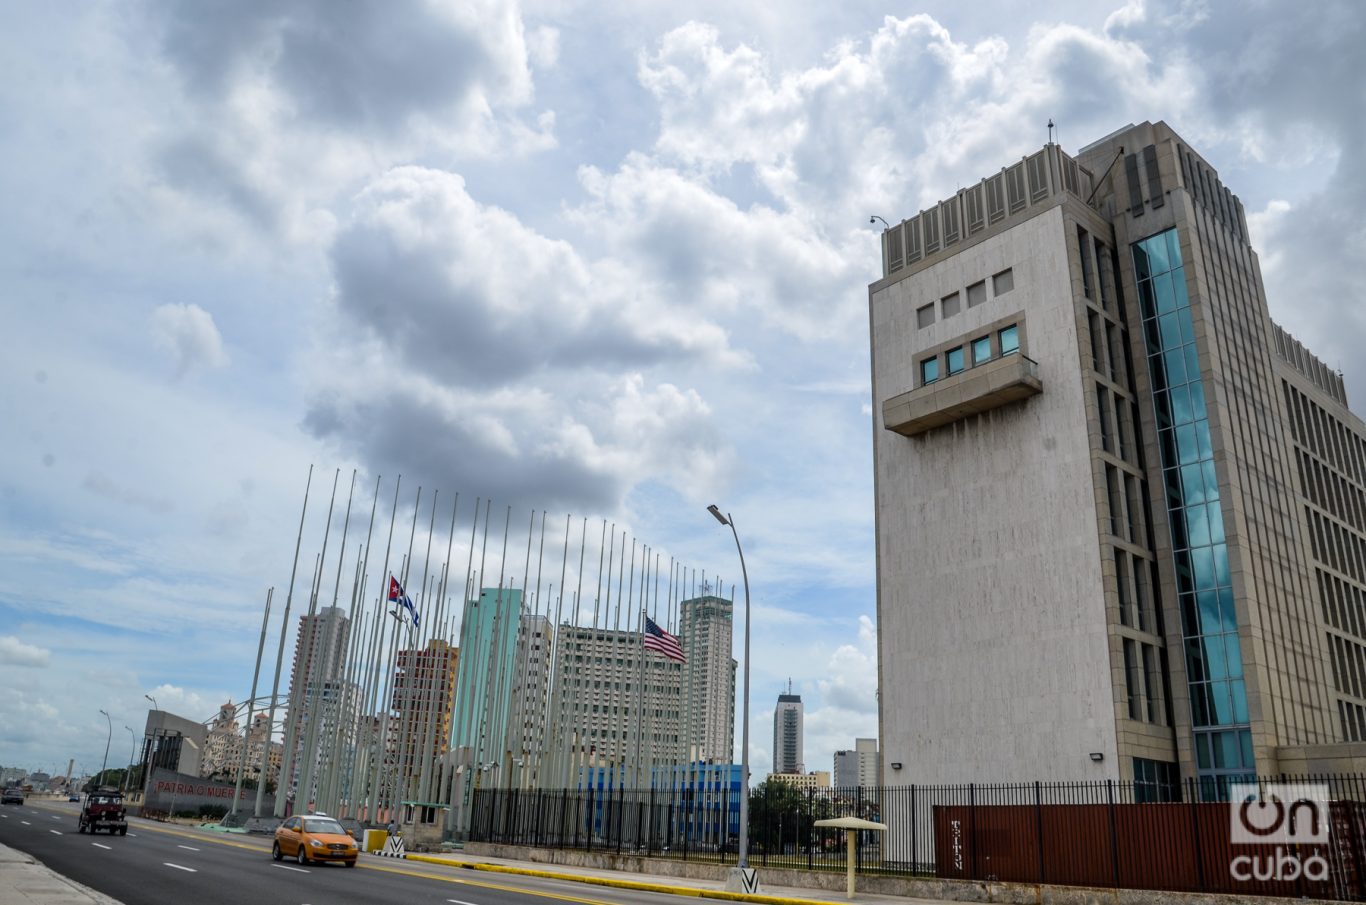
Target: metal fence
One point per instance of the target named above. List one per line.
(1169, 836)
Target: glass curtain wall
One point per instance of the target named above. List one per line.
(1214, 660)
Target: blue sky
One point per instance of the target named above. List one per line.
(607, 259)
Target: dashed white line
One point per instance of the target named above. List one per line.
(100, 845)
(178, 867)
(458, 902)
(134, 835)
(55, 832)
(55, 817)
(25, 823)
(287, 867)
(189, 848)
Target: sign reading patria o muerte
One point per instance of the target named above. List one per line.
(170, 792)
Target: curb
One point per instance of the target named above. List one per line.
(694, 891)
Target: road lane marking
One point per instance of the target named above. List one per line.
(134, 835)
(100, 845)
(458, 902)
(25, 823)
(55, 817)
(55, 832)
(178, 867)
(188, 847)
(287, 867)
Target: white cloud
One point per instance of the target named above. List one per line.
(14, 652)
(188, 334)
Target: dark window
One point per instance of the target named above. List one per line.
(924, 315)
(1003, 282)
(977, 293)
(950, 305)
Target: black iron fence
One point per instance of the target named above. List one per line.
(1170, 836)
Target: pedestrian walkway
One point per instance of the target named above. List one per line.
(24, 881)
(686, 886)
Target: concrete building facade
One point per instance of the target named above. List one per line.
(1105, 544)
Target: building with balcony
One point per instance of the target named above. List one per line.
(1119, 511)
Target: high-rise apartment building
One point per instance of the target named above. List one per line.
(1119, 512)
(316, 684)
(857, 766)
(706, 633)
(787, 733)
(423, 701)
(222, 745)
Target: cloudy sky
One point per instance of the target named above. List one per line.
(603, 259)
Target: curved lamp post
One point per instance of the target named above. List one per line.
(153, 700)
(743, 855)
(108, 738)
(132, 752)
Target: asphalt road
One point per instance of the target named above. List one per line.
(158, 863)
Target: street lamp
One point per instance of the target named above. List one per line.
(132, 752)
(109, 737)
(743, 859)
(153, 700)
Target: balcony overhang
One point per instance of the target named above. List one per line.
(971, 392)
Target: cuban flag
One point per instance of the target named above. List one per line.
(398, 598)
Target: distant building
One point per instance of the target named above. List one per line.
(858, 766)
(222, 745)
(816, 779)
(530, 699)
(787, 733)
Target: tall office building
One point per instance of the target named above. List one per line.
(706, 634)
(1119, 520)
(787, 733)
(857, 766)
(222, 745)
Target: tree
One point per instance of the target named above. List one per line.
(780, 815)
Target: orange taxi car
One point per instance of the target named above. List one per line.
(314, 837)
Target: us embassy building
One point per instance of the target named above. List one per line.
(1121, 516)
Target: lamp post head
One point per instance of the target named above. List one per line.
(714, 510)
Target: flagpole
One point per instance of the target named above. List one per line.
(416, 633)
(384, 686)
(316, 746)
(317, 716)
(459, 770)
(251, 709)
(279, 661)
(429, 740)
(295, 704)
(370, 703)
(355, 665)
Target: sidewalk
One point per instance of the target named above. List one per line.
(707, 889)
(24, 881)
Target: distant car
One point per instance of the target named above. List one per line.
(314, 837)
(73, 798)
(12, 796)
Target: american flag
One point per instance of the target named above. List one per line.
(657, 639)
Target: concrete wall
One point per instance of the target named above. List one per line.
(993, 652)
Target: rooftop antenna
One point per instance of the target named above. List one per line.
(1050, 130)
